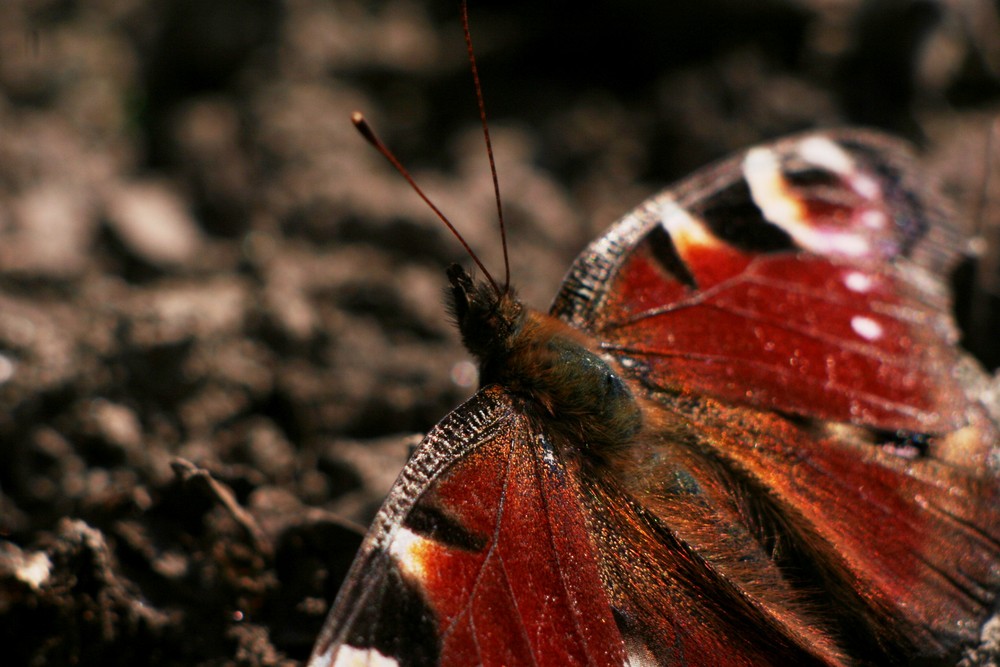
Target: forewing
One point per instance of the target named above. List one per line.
(480, 555)
(800, 277)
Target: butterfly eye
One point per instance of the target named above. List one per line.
(614, 387)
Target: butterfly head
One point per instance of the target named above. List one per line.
(542, 359)
(487, 318)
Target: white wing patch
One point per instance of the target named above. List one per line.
(409, 550)
(685, 230)
(349, 656)
(866, 327)
(763, 174)
(771, 194)
(826, 154)
(858, 282)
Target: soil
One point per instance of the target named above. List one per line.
(221, 319)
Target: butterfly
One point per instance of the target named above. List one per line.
(743, 434)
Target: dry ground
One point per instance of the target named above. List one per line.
(220, 313)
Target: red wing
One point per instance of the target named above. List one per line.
(493, 550)
(787, 309)
(905, 547)
(479, 556)
(788, 278)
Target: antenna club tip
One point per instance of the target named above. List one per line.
(362, 126)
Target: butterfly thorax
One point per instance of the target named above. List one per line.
(541, 359)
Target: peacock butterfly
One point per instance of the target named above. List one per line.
(742, 435)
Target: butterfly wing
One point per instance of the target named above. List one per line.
(495, 548)
(770, 280)
(812, 480)
(480, 556)
(786, 308)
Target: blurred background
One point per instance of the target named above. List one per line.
(221, 314)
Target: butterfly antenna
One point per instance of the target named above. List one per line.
(489, 144)
(366, 131)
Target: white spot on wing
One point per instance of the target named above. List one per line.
(866, 186)
(320, 660)
(549, 457)
(824, 153)
(858, 282)
(636, 660)
(762, 171)
(874, 219)
(349, 656)
(405, 548)
(844, 244)
(685, 230)
(866, 327)
(638, 654)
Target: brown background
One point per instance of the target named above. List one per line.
(220, 312)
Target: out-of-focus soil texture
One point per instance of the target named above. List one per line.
(221, 317)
